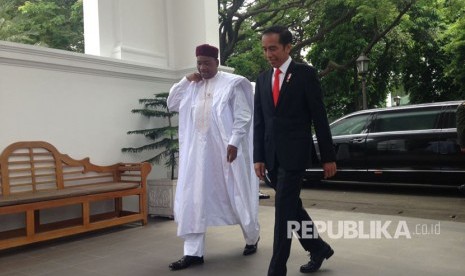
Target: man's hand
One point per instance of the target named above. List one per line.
(329, 169)
(260, 170)
(231, 153)
(195, 77)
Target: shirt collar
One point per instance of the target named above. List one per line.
(285, 65)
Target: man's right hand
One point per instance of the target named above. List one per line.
(260, 170)
(329, 169)
(195, 77)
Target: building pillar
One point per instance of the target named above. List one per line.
(162, 33)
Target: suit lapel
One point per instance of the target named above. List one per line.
(269, 89)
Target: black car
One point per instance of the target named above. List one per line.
(414, 144)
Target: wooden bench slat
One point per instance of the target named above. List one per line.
(16, 154)
(86, 178)
(42, 161)
(21, 184)
(71, 172)
(29, 176)
(31, 169)
(52, 181)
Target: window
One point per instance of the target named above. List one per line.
(351, 125)
(410, 119)
(449, 118)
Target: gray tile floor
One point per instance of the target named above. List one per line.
(138, 251)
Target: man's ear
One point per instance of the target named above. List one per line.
(287, 48)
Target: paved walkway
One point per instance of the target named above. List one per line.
(435, 248)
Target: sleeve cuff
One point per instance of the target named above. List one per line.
(234, 141)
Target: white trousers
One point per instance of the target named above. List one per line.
(194, 244)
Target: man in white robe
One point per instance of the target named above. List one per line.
(216, 181)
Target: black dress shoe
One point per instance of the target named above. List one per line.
(262, 195)
(185, 262)
(250, 249)
(316, 260)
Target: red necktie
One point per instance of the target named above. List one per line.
(276, 86)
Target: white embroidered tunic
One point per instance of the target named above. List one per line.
(210, 191)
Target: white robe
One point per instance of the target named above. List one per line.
(210, 191)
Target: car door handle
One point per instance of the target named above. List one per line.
(358, 140)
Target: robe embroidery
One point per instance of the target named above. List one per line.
(203, 107)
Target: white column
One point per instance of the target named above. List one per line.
(102, 29)
(192, 22)
(163, 33)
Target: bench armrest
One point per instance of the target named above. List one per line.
(144, 169)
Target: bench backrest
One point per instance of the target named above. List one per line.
(37, 165)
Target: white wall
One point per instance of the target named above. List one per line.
(80, 104)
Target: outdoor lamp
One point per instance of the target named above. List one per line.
(362, 68)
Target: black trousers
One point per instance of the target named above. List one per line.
(288, 208)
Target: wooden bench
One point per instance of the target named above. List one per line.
(36, 178)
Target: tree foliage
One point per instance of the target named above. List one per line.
(50, 23)
(416, 47)
(454, 44)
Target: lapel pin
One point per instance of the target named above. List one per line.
(288, 77)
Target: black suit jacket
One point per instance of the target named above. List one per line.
(284, 132)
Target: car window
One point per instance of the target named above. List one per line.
(351, 125)
(409, 119)
(449, 119)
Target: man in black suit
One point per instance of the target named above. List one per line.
(286, 105)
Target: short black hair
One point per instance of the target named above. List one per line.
(285, 36)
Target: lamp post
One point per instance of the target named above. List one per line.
(397, 100)
(362, 68)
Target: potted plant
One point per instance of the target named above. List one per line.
(163, 141)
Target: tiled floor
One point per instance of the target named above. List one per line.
(138, 251)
